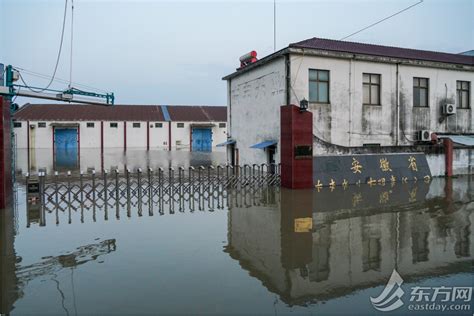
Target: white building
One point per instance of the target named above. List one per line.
(360, 95)
(76, 126)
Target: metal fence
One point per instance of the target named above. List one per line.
(194, 188)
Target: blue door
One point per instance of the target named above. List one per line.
(202, 139)
(65, 145)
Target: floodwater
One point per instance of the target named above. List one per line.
(259, 251)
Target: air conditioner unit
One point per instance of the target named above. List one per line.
(424, 136)
(449, 109)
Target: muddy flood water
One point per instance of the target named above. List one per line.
(258, 250)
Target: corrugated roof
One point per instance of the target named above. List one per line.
(467, 140)
(198, 113)
(88, 112)
(387, 51)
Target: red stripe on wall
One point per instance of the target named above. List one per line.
(147, 135)
(102, 137)
(169, 136)
(28, 142)
(125, 136)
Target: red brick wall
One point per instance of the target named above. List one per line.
(296, 129)
(5, 153)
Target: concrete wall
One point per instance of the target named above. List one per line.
(254, 102)
(254, 98)
(463, 162)
(90, 137)
(346, 121)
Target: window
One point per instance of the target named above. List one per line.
(90, 124)
(420, 91)
(41, 124)
(319, 86)
(136, 125)
(114, 125)
(16, 124)
(158, 125)
(463, 94)
(180, 125)
(222, 125)
(371, 89)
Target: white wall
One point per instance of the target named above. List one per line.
(254, 109)
(136, 137)
(113, 136)
(254, 98)
(159, 136)
(90, 136)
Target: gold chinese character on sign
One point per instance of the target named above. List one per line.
(427, 179)
(319, 185)
(332, 184)
(412, 165)
(371, 182)
(385, 165)
(345, 184)
(356, 166)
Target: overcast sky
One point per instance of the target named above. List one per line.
(176, 52)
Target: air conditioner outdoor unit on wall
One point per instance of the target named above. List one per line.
(449, 109)
(424, 136)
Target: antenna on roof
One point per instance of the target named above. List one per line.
(274, 26)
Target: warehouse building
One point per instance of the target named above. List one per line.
(361, 96)
(76, 126)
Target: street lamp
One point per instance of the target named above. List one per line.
(304, 105)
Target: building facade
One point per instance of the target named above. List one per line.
(360, 95)
(61, 126)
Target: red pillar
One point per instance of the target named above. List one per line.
(5, 153)
(296, 147)
(448, 156)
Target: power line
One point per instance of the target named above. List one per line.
(380, 21)
(56, 79)
(57, 59)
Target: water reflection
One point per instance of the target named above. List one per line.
(309, 246)
(35, 160)
(302, 246)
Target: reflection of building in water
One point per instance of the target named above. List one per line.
(14, 277)
(349, 248)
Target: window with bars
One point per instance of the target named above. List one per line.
(180, 125)
(158, 125)
(318, 86)
(221, 125)
(41, 124)
(114, 125)
(16, 124)
(371, 89)
(421, 92)
(463, 92)
(136, 125)
(90, 124)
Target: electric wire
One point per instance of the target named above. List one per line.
(380, 21)
(56, 79)
(57, 59)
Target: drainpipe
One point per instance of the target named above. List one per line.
(350, 100)
(397, 93)
(288, 78)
